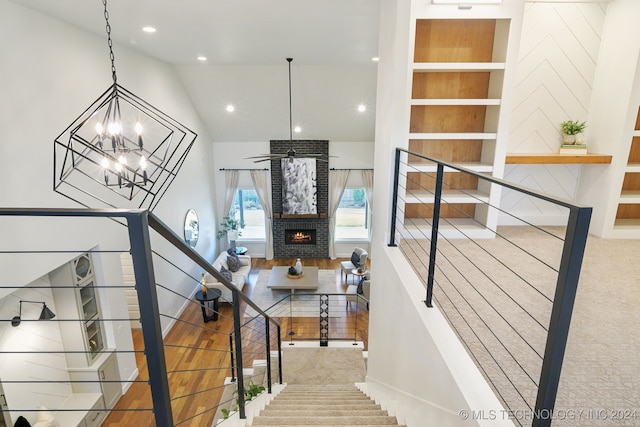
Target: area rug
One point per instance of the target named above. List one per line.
(305, 303)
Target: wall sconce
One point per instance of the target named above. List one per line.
(46, 313)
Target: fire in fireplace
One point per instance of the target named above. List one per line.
(300, 237)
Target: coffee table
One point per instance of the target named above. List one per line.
(279, 280)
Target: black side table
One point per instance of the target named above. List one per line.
(211, 295)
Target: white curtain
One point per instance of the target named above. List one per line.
(367, 179)
(337, 183)
(230, 186)
(260, 180)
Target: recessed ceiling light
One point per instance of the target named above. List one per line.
(297, 129)
(362, 108)
(231, 108)
(202, 58)
(375, 59)
(148, 29)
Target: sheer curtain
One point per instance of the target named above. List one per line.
(337, 183)
(230, 186)
(260, 180)
(367, 179)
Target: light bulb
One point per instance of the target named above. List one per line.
(143, 163)
(114, 128)
(122, 160)
(297, 129)
(118, 167)
(104, 163)
(138, 128)
(230, 108)
(99, 128)
(362, 108)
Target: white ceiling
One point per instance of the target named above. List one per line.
(256, 32)
(246, 43)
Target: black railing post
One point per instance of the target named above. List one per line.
(237, 322)
(138, 225)
(394, 200)
(233, 368)
(279, 354)
(566, 287)
(268, 344)
(437, 198)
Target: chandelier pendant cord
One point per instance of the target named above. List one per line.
(110, 43)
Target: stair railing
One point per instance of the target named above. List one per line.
(415, 184)
(139, 224)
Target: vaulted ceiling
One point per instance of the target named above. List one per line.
(246, 43)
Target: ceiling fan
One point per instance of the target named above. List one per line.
(291, 153)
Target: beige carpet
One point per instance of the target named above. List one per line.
(600, 382)
(304, 304)
(322, 365)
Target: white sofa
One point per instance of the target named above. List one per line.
(239, 278)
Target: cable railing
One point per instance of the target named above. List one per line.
(183, 369)
(507, 291)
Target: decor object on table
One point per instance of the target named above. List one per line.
(122, 146)
(229, 224)
(298, 266)
(291, 154)
(191, 228)
(203, 285)
(45, 314)
(572, 131)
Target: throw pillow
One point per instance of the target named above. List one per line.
(225, 273)
(233, 262)
(355, 259)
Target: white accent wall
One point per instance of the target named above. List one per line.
(558, 59)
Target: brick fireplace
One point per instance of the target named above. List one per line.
(316, 227)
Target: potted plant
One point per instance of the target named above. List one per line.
(229, 226)
(570, 131)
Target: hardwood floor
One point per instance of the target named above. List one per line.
(198, 359)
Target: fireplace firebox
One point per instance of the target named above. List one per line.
(300, 237)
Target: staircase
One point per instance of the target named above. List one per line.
(321, 406)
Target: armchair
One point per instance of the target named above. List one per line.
(358, 258)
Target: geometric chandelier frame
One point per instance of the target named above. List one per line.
(89, 156)
(120, 145)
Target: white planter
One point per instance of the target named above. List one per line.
(232, 235)
(568, 139)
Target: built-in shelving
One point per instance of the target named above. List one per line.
(456, 95)
(628, 213)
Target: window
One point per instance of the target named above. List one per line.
(352, 216)
(249, 212)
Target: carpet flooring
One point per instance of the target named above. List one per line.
(277, 302)
(502, 314)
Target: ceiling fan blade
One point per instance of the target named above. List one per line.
(258, 156)
(263, 160)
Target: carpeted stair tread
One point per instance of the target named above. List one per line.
(302, 419)
(268, 412)
(323, 396)
(341, 407)
(321, 402)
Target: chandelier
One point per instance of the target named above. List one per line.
(120, 145)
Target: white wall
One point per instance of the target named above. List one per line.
(51, 76)
(558, 59)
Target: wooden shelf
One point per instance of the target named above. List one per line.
(455, 101)
(556, 158)
(439, 67)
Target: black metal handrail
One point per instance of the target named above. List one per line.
(577, 229)
(138, 223)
